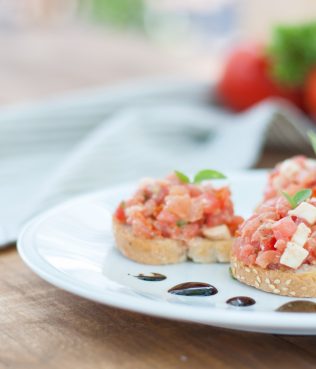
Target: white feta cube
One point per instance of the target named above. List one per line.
(301, 234)
(293, 256)
(305, 211)
(220, 232)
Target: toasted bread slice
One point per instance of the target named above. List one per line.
(293, 283)
(158, 251)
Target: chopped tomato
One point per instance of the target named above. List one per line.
(167, 217)
(171, 208)
(291, 175)
(247, 254)
(280, 245)
(266, 258)
(179, 205)
(267, 233)
(190, 230)
(234, 223)
(284, 229)
(120, 213)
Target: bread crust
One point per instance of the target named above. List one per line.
(298, 283)
(159, 251)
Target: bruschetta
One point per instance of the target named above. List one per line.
(171, 220)
(291, 175)
(275, 250)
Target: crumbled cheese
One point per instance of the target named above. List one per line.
(305, 211)
(220, 232)
(289, 169)
(301, 235)
(293, 256)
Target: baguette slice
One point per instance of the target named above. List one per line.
(158, 251)
(296, 283)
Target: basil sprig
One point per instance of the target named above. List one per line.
(299, 197)
(202, 175)
(182, 177)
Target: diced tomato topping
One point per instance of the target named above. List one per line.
(167, 217)
(247, 254)
(280, 245)
(190, 230)
(266, 234)
(291, 176)
(234, 223)
(179, 205)
(120, 213)
(266, 258)
(170, 208)
(284, 229)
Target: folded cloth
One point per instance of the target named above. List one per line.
(55, 150)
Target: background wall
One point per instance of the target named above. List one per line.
(54, 46)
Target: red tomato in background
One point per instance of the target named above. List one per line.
(246, 81)
(310, 94)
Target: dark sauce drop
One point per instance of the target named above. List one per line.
(153, 277)
(241, 301)
(298, 306)
(193, 289)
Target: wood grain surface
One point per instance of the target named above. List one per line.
(44, 327)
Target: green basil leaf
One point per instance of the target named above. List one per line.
(182, 177)
(312, 138)
(302, 195)
(289, 199)
(299, 197)
(208, 174)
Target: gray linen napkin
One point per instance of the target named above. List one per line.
(54, 150)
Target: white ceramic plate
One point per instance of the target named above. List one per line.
(71, 246)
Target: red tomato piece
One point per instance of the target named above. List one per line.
(310, 94)
(284, 229)
(120, 213)
(246, 80)
(266, 258)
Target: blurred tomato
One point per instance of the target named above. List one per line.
(310, 94)
(246, 80)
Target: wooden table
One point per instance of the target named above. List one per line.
(44, 327)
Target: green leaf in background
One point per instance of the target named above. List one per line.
(293, 53)
(120, 13)
(299, 197)
(182, 177)
(312, 138)
(208, 174)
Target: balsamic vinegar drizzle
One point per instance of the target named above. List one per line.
(154, 277)
(206, 289)
(241, 301)
(193, 289)
(298, 306)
